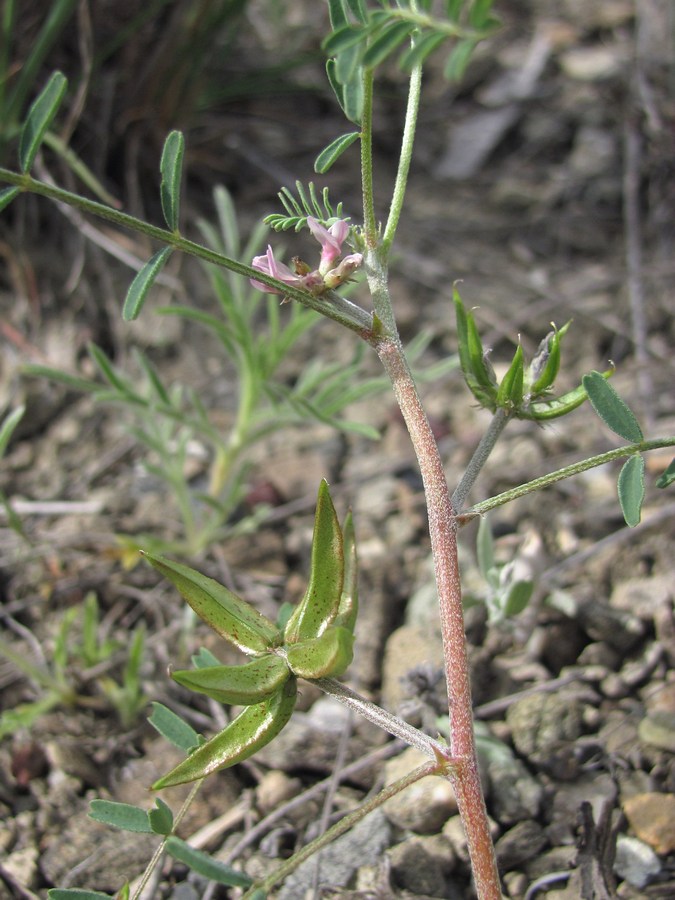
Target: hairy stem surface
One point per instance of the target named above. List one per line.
(443, 531)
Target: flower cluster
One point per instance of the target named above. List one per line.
(326, 277)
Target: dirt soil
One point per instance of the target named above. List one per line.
(545, 183)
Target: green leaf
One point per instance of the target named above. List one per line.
(337, 11)
(613, 411)
(252, 729)
(458, 60)
(161, 817)
(343, 38)
(518, 597)
(228, 615)
(40, 116)
(171, 165)
(204, 865)
(120, 815)
(241, 685)
(7, 195)
(320, 603)
(347, 65)
(420, 50)
(350, 94)
(667, 477)
(385, 44)
(142, 283)
(333, 151)
(479, 13)
(330, 654)
(485, 547)
(8, 426)
(204, 658)
(358, 9)
(631, 489)
(76, 894)
(173, 728)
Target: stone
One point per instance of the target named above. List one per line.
(417, 869)
(652, 818)
(425, 806)
(642, 597)
(520, 843)
(514, 793)
(658, 729)
(591, 63)
(543, 726)
(407, 647)
(338, 862)
(598, 789)
(635, 861)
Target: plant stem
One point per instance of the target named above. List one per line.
(443, 532)
(341, 827)
(331, 305)
(480, 457)
(574, 469)
(159, 852)
(407, 144)
(383, 719)
(369, 221)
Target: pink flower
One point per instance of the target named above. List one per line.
(337, 276)
(269, 266)
(326, 277)
(331, 240)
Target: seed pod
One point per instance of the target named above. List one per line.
(253, 728)
(228, 615)
(319, 606)
(242, 685)
(329, 654)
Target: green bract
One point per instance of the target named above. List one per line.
(523, 394)
(228, 615)
(320, 604)
(255, 727)
(329, 654)
(238, 685)
(317, 643)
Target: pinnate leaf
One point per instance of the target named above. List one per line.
(667, 477)
(613, 411)
(7, 195)
(161, 817)
(171, 166)
(173, 728)
(385, 44)
(204, 865)
(120, 815)
(142, 283)
(334, 151)
(631, 489)
(40, 116)
(76, 894)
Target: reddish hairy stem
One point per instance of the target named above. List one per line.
(443, 531)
